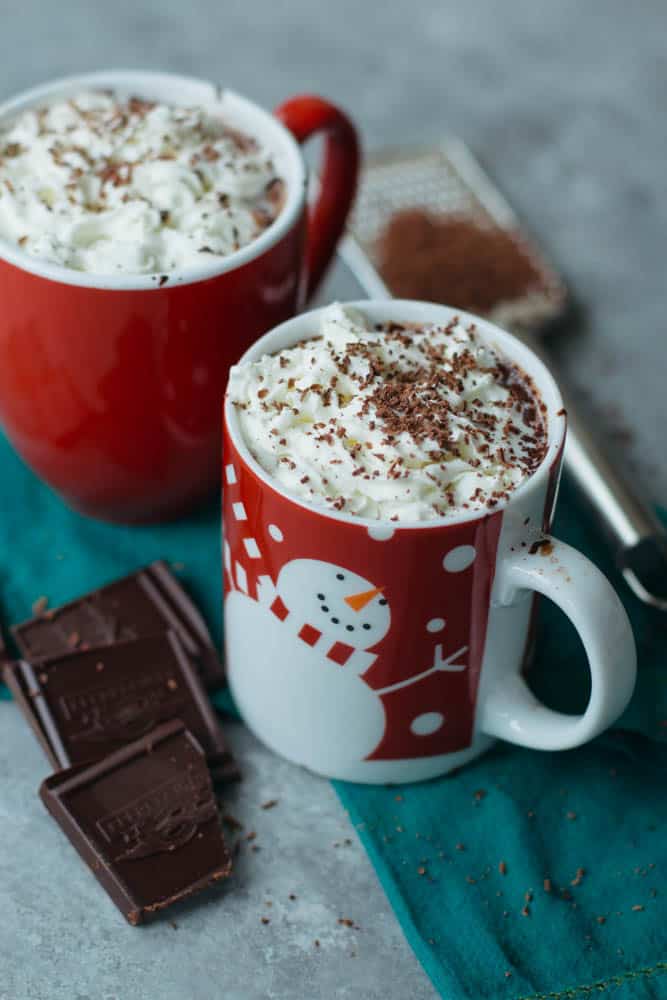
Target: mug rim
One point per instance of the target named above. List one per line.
(408, 310)
(150, 83)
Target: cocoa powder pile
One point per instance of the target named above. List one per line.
(454, 260)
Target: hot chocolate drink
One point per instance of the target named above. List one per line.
(106, 184)
(398, 422)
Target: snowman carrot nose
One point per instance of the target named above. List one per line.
(359, 601)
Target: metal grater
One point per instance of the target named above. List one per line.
(448, 179)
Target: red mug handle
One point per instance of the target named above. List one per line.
(304, 116)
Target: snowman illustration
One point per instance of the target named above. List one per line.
(297, 655)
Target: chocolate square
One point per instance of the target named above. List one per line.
(144, 819)
(12, 675)
(89, 703)
(4, 654)
(147, 601)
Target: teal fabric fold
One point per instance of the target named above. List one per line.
(591, 822)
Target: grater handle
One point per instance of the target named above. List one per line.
(626, 516)
(638, 536)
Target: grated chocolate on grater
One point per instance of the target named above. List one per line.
(435, 228)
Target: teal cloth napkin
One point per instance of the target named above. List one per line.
(589, 821)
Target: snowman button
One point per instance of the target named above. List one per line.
(427, 723)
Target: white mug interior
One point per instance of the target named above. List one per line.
(237, 111)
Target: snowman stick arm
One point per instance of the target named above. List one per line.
(448, 662)
(440, 664)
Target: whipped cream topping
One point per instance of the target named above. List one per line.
(102, 184)
(396, 422)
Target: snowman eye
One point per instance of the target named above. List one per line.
(383, 600)
(340, 576)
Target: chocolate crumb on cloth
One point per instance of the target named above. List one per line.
(144, 820)
(458, 260)
(145, 602)
(88, 703)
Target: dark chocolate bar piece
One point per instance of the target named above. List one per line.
(13, 676)
(144, 819)
(5, 655)
(89, 703)
(150, 600)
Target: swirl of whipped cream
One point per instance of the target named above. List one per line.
(105, 185)
(396, 423)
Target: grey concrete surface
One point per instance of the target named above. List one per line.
(564, 103)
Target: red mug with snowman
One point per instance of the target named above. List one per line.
(376, 651)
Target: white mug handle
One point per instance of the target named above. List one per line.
(510, 711)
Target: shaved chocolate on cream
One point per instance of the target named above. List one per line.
(108, 184)
(399, 422)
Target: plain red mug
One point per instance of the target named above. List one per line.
(111, 386)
